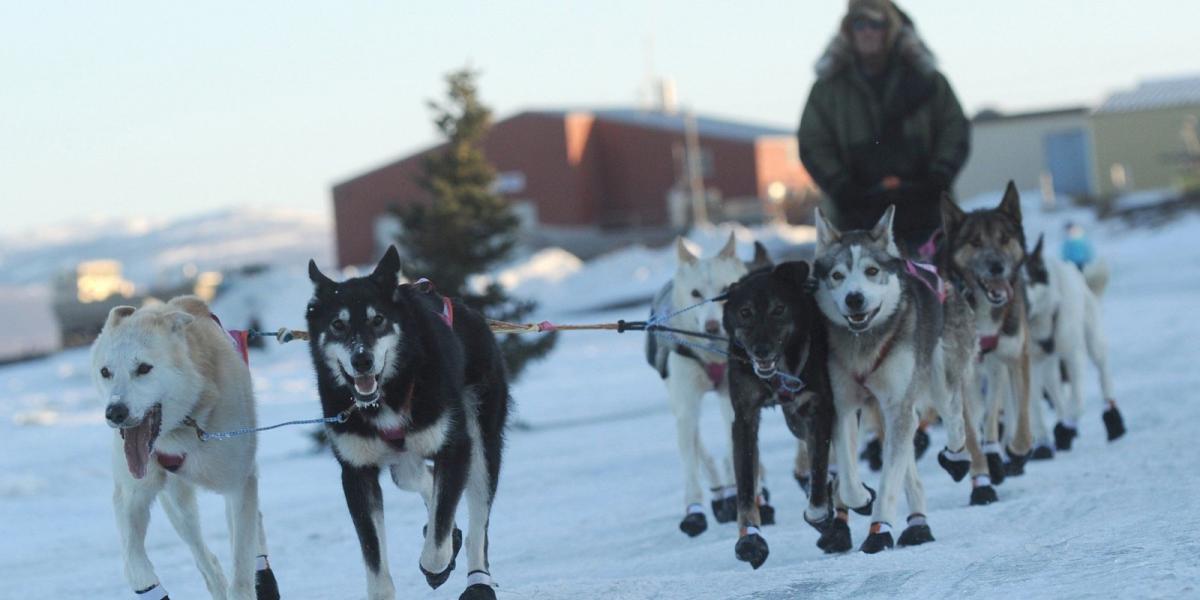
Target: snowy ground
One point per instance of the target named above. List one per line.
(591, 493)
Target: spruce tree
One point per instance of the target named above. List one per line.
(465, 228)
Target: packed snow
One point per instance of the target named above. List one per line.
(591, 491)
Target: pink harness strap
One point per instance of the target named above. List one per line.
(447, 314)
(239, 338)
(716, 373)
(170, 462)
(936, 285)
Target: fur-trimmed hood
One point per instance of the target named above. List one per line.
(904, 40)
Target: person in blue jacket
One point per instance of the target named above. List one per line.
(1077, 248)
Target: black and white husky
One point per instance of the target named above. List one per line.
(896, 338)
(1064, 320)
(418, 378)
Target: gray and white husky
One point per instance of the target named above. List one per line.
(1064, 320)
(895, 338)
(690, 371)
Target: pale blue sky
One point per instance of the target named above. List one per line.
(162, 108)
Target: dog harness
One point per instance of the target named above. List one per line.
(447, 314)
(238, 337)
(928, 275)
(714, 370)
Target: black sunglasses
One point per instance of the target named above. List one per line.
(863, 23)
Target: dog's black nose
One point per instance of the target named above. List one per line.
(855, 301)
(761, 350)
(712, 326)
(996, 269)
(116, 413)
(362, 361)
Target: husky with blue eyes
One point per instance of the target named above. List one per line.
(898, 336)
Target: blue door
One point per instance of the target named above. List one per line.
(1067, 159)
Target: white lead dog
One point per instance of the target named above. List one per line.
(165, 370)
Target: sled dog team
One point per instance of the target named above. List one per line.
(977, 338)
(413, 383)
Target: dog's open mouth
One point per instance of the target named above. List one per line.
(765, 367)
(997, 291)
(860, 321)
(139, 441)
(366, 386)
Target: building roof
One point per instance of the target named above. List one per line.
(710, 127)
(995, 116)
(1154, 94)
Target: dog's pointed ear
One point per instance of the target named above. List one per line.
(952, 215)
(685, 255)
(793, 274)
(827, 234)
(118, 314)
(1011, 203)
(882, 231)
(1036, 254)
(761, 258)
(317, 277)
(387, 272)
(730, 249)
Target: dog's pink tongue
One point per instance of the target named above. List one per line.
(365, 384)
(137, 447)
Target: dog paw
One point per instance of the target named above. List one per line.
(694, 524)
(835, 539)
(1015, 467)
(1042, 452)
(982, 492)
(479, 591)
(920, 443)
(435, 580)
(1063, 436)
(265, 586)
(916, 533)
(873, 454)
(1114, 423)
(752, 548)
(878, 540)
(995, 464)
(820, 519)
(725, 509)
(957, 464)
(866, 508)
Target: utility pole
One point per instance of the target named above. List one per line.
(693, 169)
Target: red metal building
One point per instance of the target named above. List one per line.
(589, 180)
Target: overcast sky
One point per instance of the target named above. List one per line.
(158, 108)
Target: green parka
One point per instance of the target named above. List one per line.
(905, 123)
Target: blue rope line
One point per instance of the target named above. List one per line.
(659, 320)
(787, 381)
(224, 435)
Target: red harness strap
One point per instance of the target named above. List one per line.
(170, 462)
(398, 433)
(884, 351)
(239, 338)
(987, 343)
